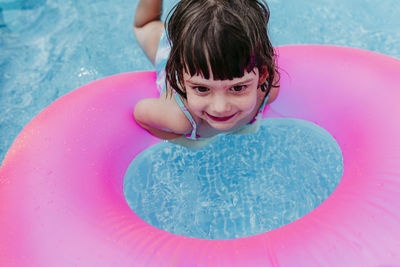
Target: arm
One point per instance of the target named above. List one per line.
(148, 26)
(162, 117)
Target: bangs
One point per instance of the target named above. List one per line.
(226, 52)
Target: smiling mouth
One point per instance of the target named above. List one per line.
(220, 119)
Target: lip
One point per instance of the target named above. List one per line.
(221, 119)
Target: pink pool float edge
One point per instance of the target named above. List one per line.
(62, 201)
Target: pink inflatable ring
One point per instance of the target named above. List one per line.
(62, 201)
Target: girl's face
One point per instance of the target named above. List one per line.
(222, 103)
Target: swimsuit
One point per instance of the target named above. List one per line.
(192, 140)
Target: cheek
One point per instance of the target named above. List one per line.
(248, 102)
(195, 103)
(248, 105)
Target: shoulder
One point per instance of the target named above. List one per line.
(273, 95)
(275, 88)
(162, 113)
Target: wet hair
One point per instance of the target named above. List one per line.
(225, 37)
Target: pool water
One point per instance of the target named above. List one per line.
(48, 47)
(239, 185)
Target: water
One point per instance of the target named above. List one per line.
(238, 186)
(50, 47)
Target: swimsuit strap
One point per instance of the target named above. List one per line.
(260, 111)
(178, 99)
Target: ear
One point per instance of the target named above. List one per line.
(263, 75)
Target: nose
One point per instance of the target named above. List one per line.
(220, 105)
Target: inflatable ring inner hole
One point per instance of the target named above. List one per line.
(237, 186)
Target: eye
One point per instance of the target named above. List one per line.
(201, 89)
(238, 88)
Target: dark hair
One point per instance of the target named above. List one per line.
(228, 36)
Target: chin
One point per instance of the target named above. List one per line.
(222, 127)
(226, 126)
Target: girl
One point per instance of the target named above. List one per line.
(215, 68)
